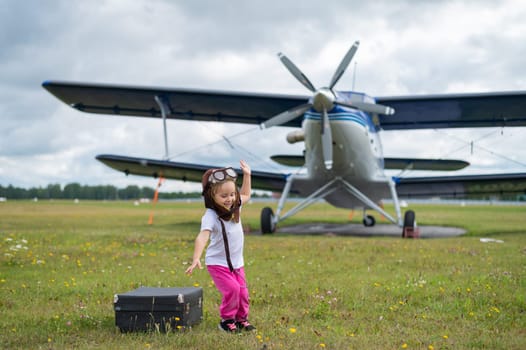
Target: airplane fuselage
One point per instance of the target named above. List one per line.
(357, 155)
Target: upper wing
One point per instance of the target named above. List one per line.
(472, 186)
(184, 171)
(412, 112)
(223, 106)
(455, 110)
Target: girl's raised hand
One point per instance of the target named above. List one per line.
(245, 167)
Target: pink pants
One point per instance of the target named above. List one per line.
(233, 287)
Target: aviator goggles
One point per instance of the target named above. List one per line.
(219, 175)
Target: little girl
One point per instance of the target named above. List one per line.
(224, 255)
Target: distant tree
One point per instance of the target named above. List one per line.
(130, 192)
(55, 191)
(13, 192)
(147, 192)
(72, 191)
(110, 192)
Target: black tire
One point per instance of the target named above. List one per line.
(409, 221)
(267, 217)
(369, 221)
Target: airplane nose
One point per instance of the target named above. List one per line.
(323, 99)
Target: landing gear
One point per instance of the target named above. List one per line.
(369, 221)
(267, 221)
(410, 230)
(409, 219)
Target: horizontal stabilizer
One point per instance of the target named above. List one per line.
(390, 163)
(288, 160)
(424, 164)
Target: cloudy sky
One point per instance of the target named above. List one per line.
(406, 47)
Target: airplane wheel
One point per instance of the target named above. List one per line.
(267, 221)
(369, 221)
(409, 221)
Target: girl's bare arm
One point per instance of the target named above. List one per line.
(200, 244)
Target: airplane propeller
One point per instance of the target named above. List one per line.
(344, 64)
(296, 72)
(322, 101)
(286, 116)
(326, 140)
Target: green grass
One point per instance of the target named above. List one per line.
(61, 263)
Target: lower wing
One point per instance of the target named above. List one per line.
(463, 186)
(184, 171)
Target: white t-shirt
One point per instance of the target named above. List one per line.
(215, 253)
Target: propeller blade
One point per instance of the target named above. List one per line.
(296, 72)
(286, 116)
(326, 140)
(368, 107)
(344, 64)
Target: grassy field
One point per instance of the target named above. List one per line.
(61, 264)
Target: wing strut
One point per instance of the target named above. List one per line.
(165, 111)
(365, 200)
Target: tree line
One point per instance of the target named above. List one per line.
(514, 191)
(98, 192)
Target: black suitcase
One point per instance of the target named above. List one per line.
(158, 309)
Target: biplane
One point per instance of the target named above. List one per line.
(343, 159)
